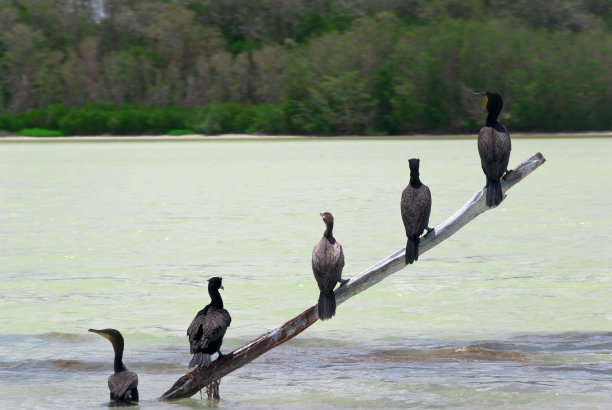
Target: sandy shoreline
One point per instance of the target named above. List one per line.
(199, 137)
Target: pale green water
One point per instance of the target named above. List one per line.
(515, 309)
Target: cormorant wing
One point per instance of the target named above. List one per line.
(327, 263)
(123, 386)
(415, 207)
(426, 211)
(208, 327)
(494, 147)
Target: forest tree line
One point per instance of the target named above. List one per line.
(303, 67)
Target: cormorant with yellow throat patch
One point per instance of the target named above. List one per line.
(493, 146)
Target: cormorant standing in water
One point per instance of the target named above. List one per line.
(494, 147)
(123, 384)
(207, 329)
(416, 207)
(327, 264)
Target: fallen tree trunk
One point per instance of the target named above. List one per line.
(198, 378)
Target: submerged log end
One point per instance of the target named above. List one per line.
(196, 379)
(179, 388)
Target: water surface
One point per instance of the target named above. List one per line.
(513, 310)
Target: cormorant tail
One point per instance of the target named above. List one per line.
(494, 192)
(199, 359)
(499, 196)
(412, 250)
(327, 305)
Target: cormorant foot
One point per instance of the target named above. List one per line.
(343, 282)
(221, 355)
(429, 230)
(508, 172)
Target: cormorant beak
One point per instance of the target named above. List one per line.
(482, 97)
(101, 333)
(221, 287)
(320, 214)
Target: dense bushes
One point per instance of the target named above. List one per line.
(39, 132)
(107, 118)
(333, 67)
(228, 118)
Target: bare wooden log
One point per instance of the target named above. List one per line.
(198, 378)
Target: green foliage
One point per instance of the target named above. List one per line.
(87, 121)
(30, 119)
(128, 120)
(54, 113)
(267, 119)
(39, 132)
(160, 120)
(237, 47)
(224, 118)
(178, 133)
(332, 67)
(5, 122)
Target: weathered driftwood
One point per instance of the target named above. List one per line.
(195, 380)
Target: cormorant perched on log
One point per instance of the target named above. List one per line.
(494, 147)
(123, 384)
(416, 207)
(207, 329)
(327, 264)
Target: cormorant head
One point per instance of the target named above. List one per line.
(110, 334)
(215, 283)
(113, 335)
(329, 224)
(493, 102)
(327, 218)
(414, 164)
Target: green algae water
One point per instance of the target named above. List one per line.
(514, 310)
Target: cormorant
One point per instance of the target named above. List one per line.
(207, 329)
(327, 264)
(494, 147)
(416, 207)
(123, 384)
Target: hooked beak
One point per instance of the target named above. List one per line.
(481, 97)
(101, 333)
(222, 287)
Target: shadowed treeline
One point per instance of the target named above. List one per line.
(302, 67)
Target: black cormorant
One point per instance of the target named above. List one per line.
(207, 329)
(123, 384)
(327, 264)
(494, 147)
(416, 207)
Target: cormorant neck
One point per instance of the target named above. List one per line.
(329, 227)
(492, 117)
(215, 298)
(415, 182)
(494, 108)
(118, 348)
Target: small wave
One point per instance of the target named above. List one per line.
(55, 364)
(73, 364)
(64, 337)
(458, 354)
(587, 369)
(70, 365)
